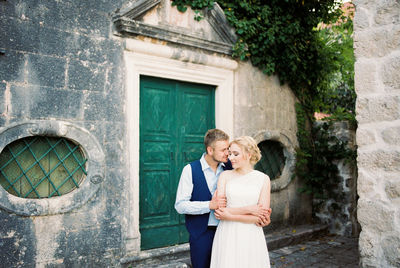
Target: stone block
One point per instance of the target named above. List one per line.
(116, 154)
(54, 42)
(115, 132)
(364, 3)
(87, 247)
(392, 188)
(366, 183)
(12, 66)
(73, 17)
(40, 102)
(27, 10)
(86, 48)
(380, 159)
(367, 242)
(371, 212)
(7, 8)
(46, 71)
(115, 78)
(92, 22)
(17, 241)
(19, 35)
(376, 109)
(391, 70)
(361, 19)
(391, 249)
(102, 6)
(96, 129)
(101, 107)
(86, 76)
(365, 73)
(83, 219)
(391, 135)
(2, 98)
(387, 12)
(376, 42)
(115, 179)
(75, 45)
(365, 137)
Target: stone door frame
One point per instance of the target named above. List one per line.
(160, 60)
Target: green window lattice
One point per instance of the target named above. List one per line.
(41, 167)
(272, 159)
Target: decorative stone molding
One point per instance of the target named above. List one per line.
(67, 202)
(288, 151)
(127, 22)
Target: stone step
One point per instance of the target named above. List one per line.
(179, 256)
(174, 264)
(292, 235)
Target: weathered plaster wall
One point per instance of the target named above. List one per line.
(61, 62)
(377, 73)
(265, 109)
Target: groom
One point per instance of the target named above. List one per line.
(196, 196)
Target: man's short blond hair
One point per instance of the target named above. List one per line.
(214, 135)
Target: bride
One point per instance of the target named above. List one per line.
(239, 240)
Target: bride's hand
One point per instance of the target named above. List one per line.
(258, 210)
(221, 202)
(264, 219)
(222, 214)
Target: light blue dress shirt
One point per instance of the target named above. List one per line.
(183, 205)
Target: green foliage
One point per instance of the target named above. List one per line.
(315, 157)
(278, 36)
(281, 37)
(335, 86)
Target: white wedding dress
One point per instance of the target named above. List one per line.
(237, 244)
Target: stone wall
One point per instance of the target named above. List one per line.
(377, 82)
(340, 211)
(60, 65)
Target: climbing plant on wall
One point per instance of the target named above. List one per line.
(278, 36)
(282, 37)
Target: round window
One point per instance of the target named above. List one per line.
(272, 159)
(41, 167)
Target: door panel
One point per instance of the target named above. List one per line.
(173, 119)
(198, 103)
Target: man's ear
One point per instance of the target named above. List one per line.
(209, 150)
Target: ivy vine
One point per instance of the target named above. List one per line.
(282, 37)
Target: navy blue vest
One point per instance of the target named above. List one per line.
(197, 224)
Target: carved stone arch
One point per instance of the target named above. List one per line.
(69, 201)
(288, 151)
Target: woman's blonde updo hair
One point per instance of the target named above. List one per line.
(249, 145)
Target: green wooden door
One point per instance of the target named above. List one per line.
(174, 116)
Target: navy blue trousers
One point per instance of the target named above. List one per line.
(200, 249)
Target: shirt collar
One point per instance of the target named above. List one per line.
(205, 165)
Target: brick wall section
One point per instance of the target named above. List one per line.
(60, 61)
(377, 82)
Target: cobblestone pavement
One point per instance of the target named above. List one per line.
(324, 252)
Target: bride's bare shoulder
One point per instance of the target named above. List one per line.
(226, 174)
(263, 175)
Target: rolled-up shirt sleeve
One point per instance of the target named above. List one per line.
(183, 205)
